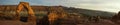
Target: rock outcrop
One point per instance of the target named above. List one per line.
(31, 16)
(55, 13)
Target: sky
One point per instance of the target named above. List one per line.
(102, 5)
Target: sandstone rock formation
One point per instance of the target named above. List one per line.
(31, 16)
(55, 13)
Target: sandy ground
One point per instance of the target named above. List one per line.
(102, 22)
(8, 22)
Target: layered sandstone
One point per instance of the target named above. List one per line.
(55, 13)
(31, 17)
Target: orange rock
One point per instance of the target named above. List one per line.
(31, 17)
(55, 13)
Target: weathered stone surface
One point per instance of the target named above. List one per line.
(31, 17)
(55, 13)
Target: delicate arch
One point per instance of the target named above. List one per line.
(31, 16)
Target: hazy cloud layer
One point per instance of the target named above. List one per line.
(103, 5)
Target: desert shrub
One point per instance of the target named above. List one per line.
(6, 16)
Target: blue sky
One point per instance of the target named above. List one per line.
(102, 5)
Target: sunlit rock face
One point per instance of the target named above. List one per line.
(116, 18)
(31, 17)
(55, 13)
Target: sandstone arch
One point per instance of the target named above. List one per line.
(31, 16)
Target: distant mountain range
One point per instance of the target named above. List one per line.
(89, 12)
